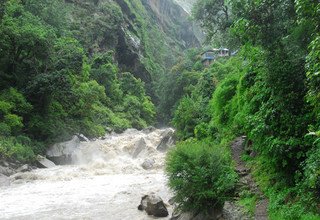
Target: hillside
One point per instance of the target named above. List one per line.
(258, 107)
(86, 66)
(147, 25)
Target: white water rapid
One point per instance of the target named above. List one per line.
(106, 182)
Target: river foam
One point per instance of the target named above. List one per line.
(106, 181)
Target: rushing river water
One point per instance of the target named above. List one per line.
(106, 182)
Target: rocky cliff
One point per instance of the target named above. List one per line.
(174, 22)
(145, 36)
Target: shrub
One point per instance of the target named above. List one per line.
(186, 117)
(13, 106)
(201, 131)
(13, 148)
(200, 175)
(221, 103)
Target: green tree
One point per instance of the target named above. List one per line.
(215, 17)
(138, 107)
(13, 109)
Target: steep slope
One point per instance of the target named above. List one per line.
(83, 66)
(173, 21)
(59, 75)
(145, 35)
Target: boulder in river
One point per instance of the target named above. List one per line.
(148, 164)
(61, 153)
(153, 205)
(139, 146)
(4, 180)
(149, 130)
(24, 168)
(83, 138)
(44, 162)
(6, 170)
(167, 140)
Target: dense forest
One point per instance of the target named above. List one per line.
(72, 67)
(86, 67)
(51, 87)
(268, 91)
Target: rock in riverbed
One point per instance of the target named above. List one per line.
(167, 140)
(4, 180)
(24, 168)
(153, 205)
(44, 162)
(83, 138)
(139, 147)
(61, 153)
(148, 164)
(149, 130)
(7, 171)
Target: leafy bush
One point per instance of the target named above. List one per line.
(200, 175)
(13, 148)
(312, 172)
(186, 117)
(118, 121)
(13, 106)
(287, 204)
(221, 102)
(201, 131)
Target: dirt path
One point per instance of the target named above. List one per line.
(237, 149)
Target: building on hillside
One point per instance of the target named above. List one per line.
(209, 56)
(224, 52)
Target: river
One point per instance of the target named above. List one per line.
(106, 181)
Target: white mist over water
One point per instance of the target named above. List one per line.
(106, 182)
